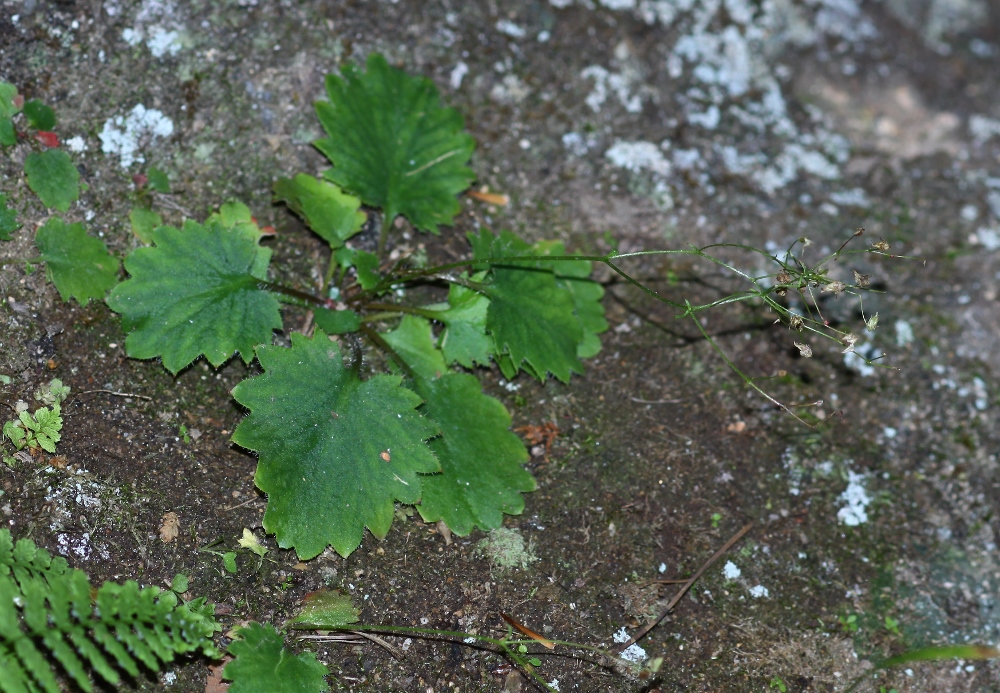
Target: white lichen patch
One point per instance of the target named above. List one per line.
(727, 80)
(506, 550)
(76, 144)
(607, 83)
(857, 500)
(632, 653)
(158, 24)
(510, 90)
(759, 591)
(731, 571)
(639, 156)
(73, 496)
(126, 135)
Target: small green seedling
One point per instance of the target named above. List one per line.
(716, 518)
(849, 623)
(53, 393)
(779, 684)
(38, 430)
(892, 625)
(180, 583)
(250, 542)
(183, 433)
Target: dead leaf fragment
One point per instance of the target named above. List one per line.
(445, 531)
(215, 684)
(541, 639)
(736, 427)
(489, 198)
(170, 527)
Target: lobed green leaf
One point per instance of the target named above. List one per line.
(53, 177)
(393, 145)
(262, 664)
(481, 474)
(330, 212)
(39, 116)
(79, 265)
(197, 292)
(323, 437)
(464, 339)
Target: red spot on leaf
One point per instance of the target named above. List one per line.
(268, 231)
(49, 139)
(140, 180)
(18, 101)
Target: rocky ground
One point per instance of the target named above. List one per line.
(636, 124)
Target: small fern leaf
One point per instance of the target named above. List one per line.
(97, 661)
(13, 679)
(111, 645)
(35, 662)
(46, 612)
(65, 655)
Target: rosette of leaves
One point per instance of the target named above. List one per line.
(48, 608)
(337, 449)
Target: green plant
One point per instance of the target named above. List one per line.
(339, 443)
(262, 664)
(779, 684)
(48, 607)
(849, 622)
(38, 430)
(927, 654)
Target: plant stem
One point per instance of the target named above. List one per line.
(376, 339)
(508, 647)
(388, 217)
(749, 381)
(301, 296)
(396, 308)
(330, 269)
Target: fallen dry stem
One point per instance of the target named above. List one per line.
(687, 585)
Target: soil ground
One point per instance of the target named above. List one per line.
(765, 122)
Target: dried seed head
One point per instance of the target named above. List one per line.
(781, 291)
(805, 351)
(872, 323)
(784, 278)
(881, 245)
(862, 280)
(859, 231)
(795, 322)
(849, 340)
(835, 288)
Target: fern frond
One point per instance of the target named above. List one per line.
(47, 612)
